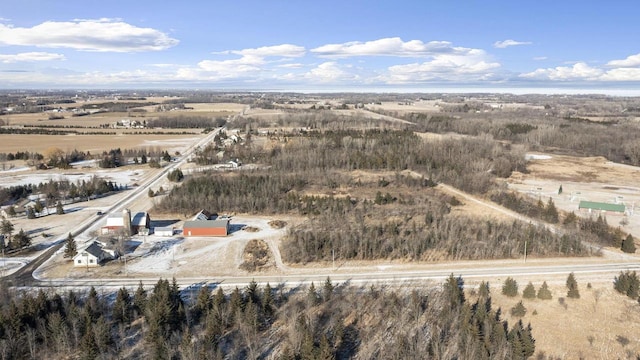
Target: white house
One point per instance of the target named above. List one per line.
(93, 254)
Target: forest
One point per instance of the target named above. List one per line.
(305, 322)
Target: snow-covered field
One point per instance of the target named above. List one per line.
(25, 177)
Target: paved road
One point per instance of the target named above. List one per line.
(393, 275)
(25, 275)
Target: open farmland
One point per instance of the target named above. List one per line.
(390, 194)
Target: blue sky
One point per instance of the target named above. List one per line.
(321, 45)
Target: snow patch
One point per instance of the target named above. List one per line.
(537, 157)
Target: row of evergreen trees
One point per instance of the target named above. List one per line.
(333, 322)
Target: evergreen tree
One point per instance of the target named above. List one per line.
(7, 229)
(122, 307)
(510, 287)
(570, 219)
(88, 347)
(312, 296)
(551, 213)
(31, 214)
(483, 290)
(151, 193)
(628, 245)
(59, 208)
(560, 189)
(529, 291)
(11, 211)
(140, 300)
(38, 207)
(544, 293)
(518, 310)
(572, 287)
(21, 240)
(453, 291)
(70, 249)
(327, 290)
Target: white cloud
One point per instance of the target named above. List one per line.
(252, 64)
(579, 71)
(388, 47)
(88, 35)
(30, 57)
(622, 74)
(470, 67)
(329, 72)
(283, 50)
(509, 42)
(540, 58)
(291, 66)
(630, 61)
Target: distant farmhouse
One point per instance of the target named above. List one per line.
(93, 254)
(206, 224)
(139, 223)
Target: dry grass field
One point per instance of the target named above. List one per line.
(95, 144)
(583, 178)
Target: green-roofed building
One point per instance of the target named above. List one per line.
(592, 205)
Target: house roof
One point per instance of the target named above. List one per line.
(94, 249)
(601, 206)
(207, 224)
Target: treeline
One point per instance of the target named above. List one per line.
(186, 122)
(331, 322)
(55, 191)
(361, 228)
(614, 139)
(469, 164)
(425, 233)
(21, 155)
(117, 106)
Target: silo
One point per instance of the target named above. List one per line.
(126, 221)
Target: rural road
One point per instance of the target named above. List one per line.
(390, 275)
(28, 273)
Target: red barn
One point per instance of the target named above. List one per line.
(218, 227)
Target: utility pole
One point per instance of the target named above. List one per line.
(525, 251)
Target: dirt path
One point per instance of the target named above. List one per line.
(608, 254)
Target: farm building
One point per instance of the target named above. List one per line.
(164, 231)
(599, 206)
(138, 223)
(93, 254)
(218, 227)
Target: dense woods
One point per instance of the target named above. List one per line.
(328, 322)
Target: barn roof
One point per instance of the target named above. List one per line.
(207, 224)
(115, 220)
(601, 206)
(203, 215)
(139, 219)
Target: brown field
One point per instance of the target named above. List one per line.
(592, 327)
(11, 143)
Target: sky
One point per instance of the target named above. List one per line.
(385, 46)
